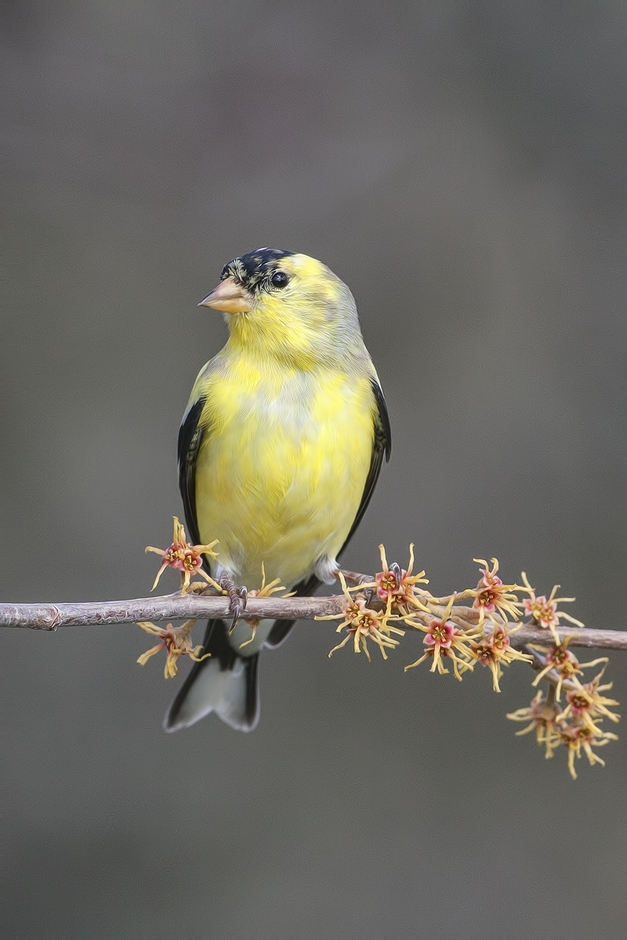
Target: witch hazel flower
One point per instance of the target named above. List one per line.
(185, 557)
(396, 586)
(266, 590)
(586, 705)
(492, 596)
(363, 624)
(446, 641)
(543, 610)
(578, 738)
(176, 641)
(563, 662)
(495, 650)
(542, 715)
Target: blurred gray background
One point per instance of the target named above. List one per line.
(462, 167)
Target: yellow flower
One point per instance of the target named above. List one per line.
(397, 586)
(496, 649)
(176, 640)
(185, 557)
(266, 590)
(586, 704)
(576, 737)
(544, 610)
(559, 658)
(492, 595)
(542, 716)
(444, 640)
(576, 727)
(363, 624)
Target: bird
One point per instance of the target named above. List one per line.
(279, 451)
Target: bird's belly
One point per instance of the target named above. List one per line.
(280, 484)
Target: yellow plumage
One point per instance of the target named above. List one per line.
(278, 453)
(282, 474)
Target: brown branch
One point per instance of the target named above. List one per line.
(584, 637)
(167, 607)
(183, 606)
(526, 633)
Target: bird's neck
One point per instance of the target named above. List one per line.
(262, 343)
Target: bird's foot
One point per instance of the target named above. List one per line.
(237, 596)
(352, 577)
(396, 570)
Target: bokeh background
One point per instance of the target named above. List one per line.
(462, 166)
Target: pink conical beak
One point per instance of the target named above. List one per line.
(228, 296)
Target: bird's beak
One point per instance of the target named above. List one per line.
(228, 296)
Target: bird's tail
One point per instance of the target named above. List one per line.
(225, 683)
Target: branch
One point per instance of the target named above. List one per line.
(182, 606)
(372, 611)
(167, 607)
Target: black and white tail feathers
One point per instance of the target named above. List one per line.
(225, 683)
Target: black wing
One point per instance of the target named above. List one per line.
(382, 445)
(190, 437)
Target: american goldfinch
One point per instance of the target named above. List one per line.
(279, 452)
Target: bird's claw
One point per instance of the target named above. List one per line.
(352, 577)
(395, 568)
(238, 597)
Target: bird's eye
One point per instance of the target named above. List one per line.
(279, 279)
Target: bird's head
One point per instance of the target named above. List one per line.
(288, 305)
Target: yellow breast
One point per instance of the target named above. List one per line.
(282, 467)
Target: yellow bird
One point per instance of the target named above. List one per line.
(279, 452)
